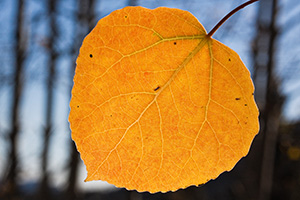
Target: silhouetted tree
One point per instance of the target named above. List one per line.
(269, 99)
(10, 189)
(133, 2)
(49, 101)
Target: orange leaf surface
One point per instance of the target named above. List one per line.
(157, 105)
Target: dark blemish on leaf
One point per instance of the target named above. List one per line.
(229, 59)
(125, 16)
(156, 88)
(175, 43)
(77, 106)
(237, 98)
(246, 123)
(110, 115)
(252, 93)
(91, 55)
(245, 104)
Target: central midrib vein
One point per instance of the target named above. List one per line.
(182, 65)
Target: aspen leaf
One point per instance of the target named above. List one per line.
(157, 105)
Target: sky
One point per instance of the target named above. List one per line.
(237, 33)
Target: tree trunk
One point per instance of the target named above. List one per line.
(44, 188)
(267, 94)
(133, 2)
(10, 189)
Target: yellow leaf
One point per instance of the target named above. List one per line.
(157, 105)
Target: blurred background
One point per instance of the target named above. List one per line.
(39, 43)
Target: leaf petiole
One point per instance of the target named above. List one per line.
(229, 15)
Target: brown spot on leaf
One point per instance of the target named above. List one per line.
(156, 88)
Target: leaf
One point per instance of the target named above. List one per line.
(157, 105)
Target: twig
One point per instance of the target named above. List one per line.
(229, 15)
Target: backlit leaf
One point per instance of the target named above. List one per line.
(157, 105)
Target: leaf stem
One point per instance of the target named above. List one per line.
(229, 15)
